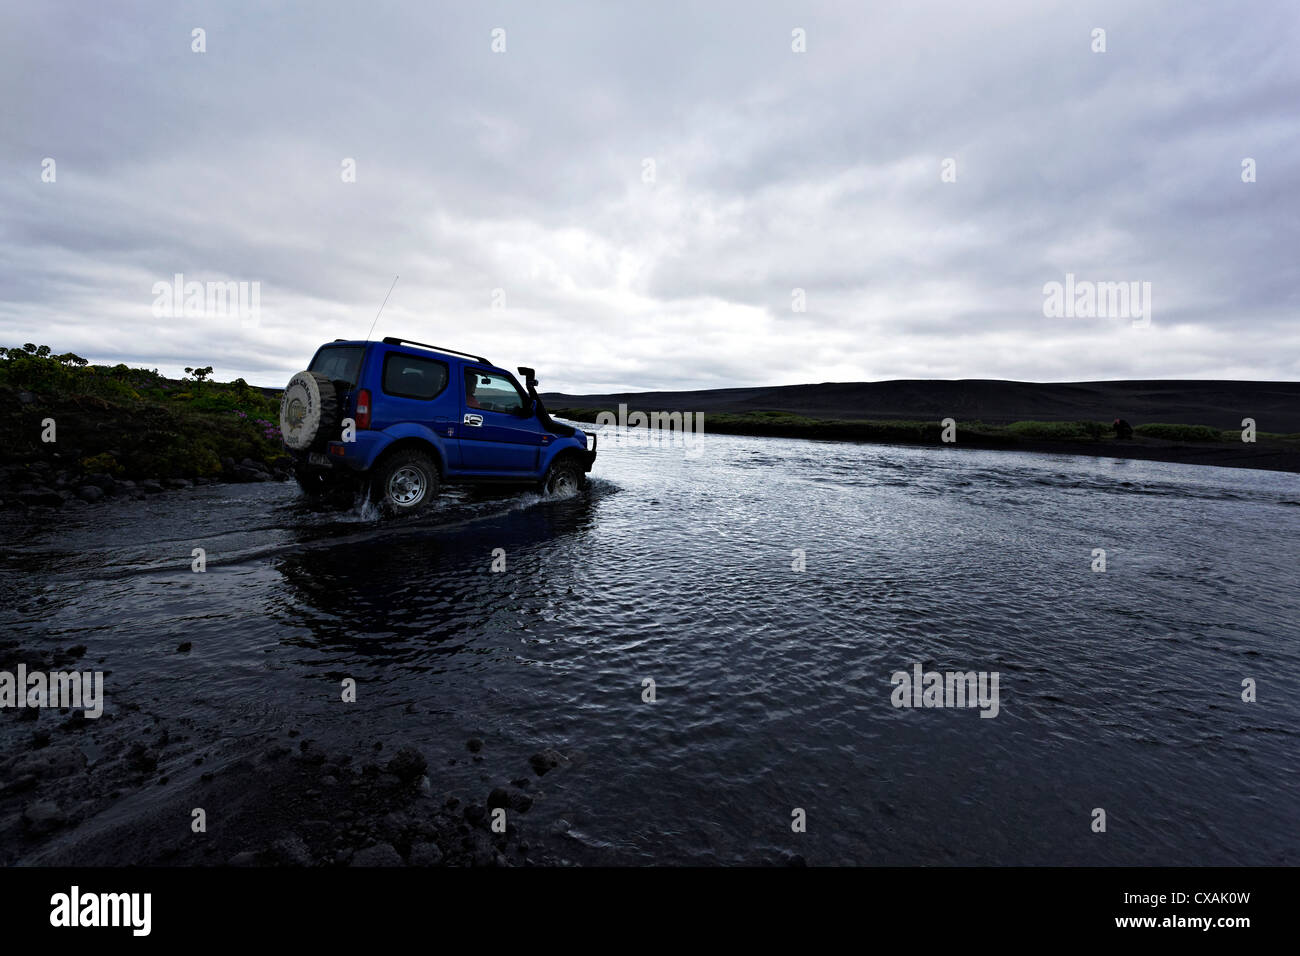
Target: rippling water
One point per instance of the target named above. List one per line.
(1118, 690)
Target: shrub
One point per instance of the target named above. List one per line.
(1172, 432)
(103, 463)
(1052, 430)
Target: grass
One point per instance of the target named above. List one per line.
(132, 422)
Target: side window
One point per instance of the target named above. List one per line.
(408, 376)
(495, 393)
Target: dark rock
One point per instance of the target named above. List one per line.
(90, 493)
(141, 759)
(19, 784)
(475, 814)
(42, 816)
(425, 854)
(184, 648)
(290, 850)
(509, 799)
(247, 858)
(546, 760)
(102, 481)
(407, 765)
(481, 849)
(474, 745)
(41, 498)
(26, 398)
(394, 826)
(151, 485)
(381, 854)
(178, 483)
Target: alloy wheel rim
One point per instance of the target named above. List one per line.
(407, 485)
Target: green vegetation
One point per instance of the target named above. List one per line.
(790, 425)
(1169, 432)
(132, 422)
(1061, 431)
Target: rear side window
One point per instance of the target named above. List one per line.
(409, 376)
(339, 363)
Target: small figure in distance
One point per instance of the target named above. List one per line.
(1123, 429)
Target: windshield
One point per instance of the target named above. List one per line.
(339, 363)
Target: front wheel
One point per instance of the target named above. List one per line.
(404, 482)
(564, 478)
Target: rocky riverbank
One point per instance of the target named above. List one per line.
(56, 483)
(134, 787)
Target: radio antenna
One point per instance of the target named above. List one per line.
(381, 308)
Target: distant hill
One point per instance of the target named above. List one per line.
(1275, 406)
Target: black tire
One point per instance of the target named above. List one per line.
(309, 411)
(404, 482)
(314, 482)
(563, 478)
(324, 486)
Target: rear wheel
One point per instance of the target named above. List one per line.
(314, 482)
(404, 482)
(564, 478)
(322, 485)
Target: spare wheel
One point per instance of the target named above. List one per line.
(309, 409)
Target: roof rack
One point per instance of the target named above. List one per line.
(393, 340)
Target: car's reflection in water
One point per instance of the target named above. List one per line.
(407, 587)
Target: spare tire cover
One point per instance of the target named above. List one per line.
(308, 408)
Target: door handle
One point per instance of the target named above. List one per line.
(474, 420)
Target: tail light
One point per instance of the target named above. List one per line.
(363, 408)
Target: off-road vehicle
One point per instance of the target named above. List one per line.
(400, 418)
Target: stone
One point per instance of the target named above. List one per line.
(546, 760)
(90, 493)
(290, 850)
(381, 854)
(425, 854)
(408, 764)
(42, 816)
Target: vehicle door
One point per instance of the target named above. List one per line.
(499, 434)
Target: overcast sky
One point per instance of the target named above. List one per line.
(509, 189)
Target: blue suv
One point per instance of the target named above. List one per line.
(403, 418)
